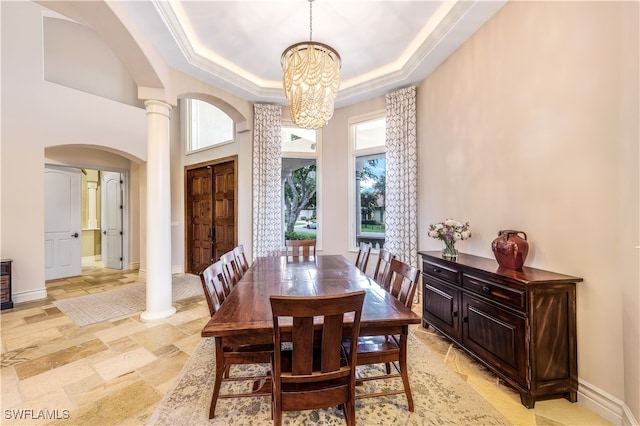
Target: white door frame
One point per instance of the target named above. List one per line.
(62, 234)
(125, 204)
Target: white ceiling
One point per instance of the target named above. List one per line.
(237, 45)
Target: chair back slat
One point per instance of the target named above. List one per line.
(302, 337)
(403, 281)
(381, 272)
(241, 258)
(232, 268)
(363, 256)
(214, 285)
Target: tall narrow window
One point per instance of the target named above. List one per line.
(369, 171)
(299, 183)
(208, 125)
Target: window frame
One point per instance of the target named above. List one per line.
(353, 154)
(188, 117)
(317, 155)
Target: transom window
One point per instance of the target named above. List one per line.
(208, 125)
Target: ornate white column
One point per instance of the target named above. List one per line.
(158, 213)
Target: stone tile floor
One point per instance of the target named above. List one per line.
(115, 372)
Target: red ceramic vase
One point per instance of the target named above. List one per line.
(510, 249)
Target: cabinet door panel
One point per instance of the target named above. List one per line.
(440, 306)
(495, 335)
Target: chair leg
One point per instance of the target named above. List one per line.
(350, 413)
(220, 368)
(403, 370)
(276, 403)
(276, 413)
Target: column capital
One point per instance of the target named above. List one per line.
(158, 107)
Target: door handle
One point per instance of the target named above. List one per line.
(75, 235)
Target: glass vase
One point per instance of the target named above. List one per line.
(449, 251)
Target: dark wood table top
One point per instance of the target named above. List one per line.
(247, 311)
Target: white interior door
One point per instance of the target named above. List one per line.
(62, 222)
(112, 211)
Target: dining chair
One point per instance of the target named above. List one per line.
(241, 258)
(381, 272)
(214, 285)
(300, 250)
(232, 269)
(363, 256)
(389, 350)
(310, 376)
(213, 282)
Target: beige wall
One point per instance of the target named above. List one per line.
(522, 128)
(532, 124)
(35, 115)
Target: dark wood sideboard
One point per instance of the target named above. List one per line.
(521, 324)
(5, 284)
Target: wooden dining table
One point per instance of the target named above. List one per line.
(245, 316)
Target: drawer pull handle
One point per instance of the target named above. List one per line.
(465, 319)
(486, 289)
(454, 314)
(437, 270)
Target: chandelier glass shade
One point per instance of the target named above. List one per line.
(311, 78)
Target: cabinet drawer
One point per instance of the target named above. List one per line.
(442, 271)
(4, 281)
(494, 291)
(4, 295)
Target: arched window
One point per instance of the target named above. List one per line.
(208, 126)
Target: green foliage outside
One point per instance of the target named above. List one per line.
(370, 201)
(292, 235)
(372, 226)
(299, 193)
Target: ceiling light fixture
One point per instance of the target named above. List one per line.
(311, 77)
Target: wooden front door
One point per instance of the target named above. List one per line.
(210, 213)
(224, 213)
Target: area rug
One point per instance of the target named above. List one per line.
(106, 305)
(440, 397)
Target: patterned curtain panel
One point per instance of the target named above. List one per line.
(267, 188)
(401, 236)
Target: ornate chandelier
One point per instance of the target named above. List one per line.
(311, 77)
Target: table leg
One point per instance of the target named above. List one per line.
(403, 366)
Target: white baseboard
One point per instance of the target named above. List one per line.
(88, 259)
(27, 296)
(605, 405)
(177, 269)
